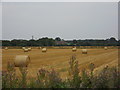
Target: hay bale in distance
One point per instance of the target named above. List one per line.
(74, 49)
(29, 49)
(105, 48)
(6, 48)
(21, 61)
(25, 50)
(44, 50)
(39, 47)
(84, 51)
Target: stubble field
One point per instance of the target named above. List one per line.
(59, 59)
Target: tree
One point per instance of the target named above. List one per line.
(46, 41)
(112, 39)
(75, 42)
(57, 39)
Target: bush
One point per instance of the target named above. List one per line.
(9, 79)
(107, 78)
(74, 78)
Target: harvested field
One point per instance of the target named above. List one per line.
(59, 59)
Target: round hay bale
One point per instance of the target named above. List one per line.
(25, 50)
(44, 50)
(105, 48)
(21, 61)
(6, 48)
(84, 51)
(74, 49)
(39, 47)
(29, 49)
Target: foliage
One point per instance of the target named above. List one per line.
(107, 78)
(74, 79)
(45, 41)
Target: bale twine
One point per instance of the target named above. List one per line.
(44, 50)
(74, 49)
(6, 48)
(25, 50)
(29, 49)
(105, 48)
(21, 61)
(84, 51)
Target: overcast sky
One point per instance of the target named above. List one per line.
(0, 21)
(65, 20)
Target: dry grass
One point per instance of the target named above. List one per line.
(59, 58)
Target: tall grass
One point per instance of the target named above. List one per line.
(106, 78)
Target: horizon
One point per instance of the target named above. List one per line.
(62, 38)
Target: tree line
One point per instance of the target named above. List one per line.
(45, 41)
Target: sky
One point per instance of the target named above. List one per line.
(68, 20)
(0, 21)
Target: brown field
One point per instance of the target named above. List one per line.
(59, 58)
